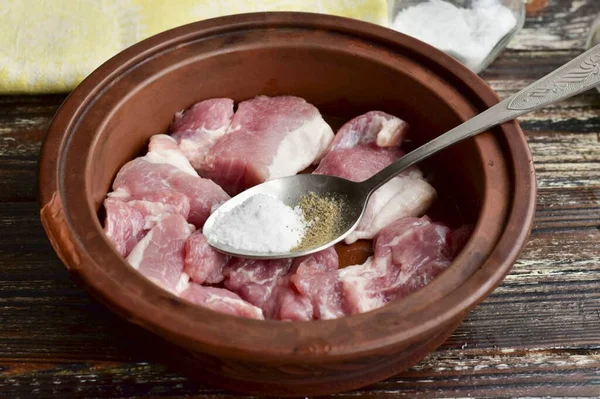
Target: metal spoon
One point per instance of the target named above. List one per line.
(576, 76)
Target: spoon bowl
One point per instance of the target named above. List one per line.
(352, 198)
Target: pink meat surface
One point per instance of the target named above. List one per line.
(165, 170)
(221, 300)
(324, 290)
(316, 278)
(202, 263)
(286, 303)
(409, 253)
(269, 137)
(364, 146)
(160, 254)
(197, 129)
(310, 290)
(254, 280)
(126, 223)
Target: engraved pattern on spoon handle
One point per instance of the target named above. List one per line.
(574, 77)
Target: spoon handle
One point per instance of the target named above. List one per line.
(574, 77)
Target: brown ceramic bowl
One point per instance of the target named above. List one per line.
(345, 68)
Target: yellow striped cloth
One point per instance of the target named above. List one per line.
(52, 45)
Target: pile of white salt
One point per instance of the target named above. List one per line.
(262, 223)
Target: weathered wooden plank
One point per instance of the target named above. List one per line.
(443, 374)
(566, 159)
(23, 124)
(560, 25)
(567, 208)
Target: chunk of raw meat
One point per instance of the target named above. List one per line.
(287, 304)
(126, 223)
(253, 279)
(364, 146)
(310, 290)
(197, 129)
(221, 300)
(409, 253)
(268, 138)
(202, 263)
(317, 278)
(160, 254)
(165, 170)
(324, 290)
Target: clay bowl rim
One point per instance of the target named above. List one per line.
(308, 339)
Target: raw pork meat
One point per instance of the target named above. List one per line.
(286, 303)
(310, 290)
(270, 285)
(124, 225)
(197, 129)
(221, 300)
(165, 170)
(160, 254)
(316, 278)
(364, 146)
(269, 137)
(409, 253)
(127, 222)
(254, 279)
(202, 263)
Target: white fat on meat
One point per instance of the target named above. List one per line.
(403, 196)
(301, 148)
(392, 132)
(164, 149)
(183, 283)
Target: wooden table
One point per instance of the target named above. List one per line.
(537, 335)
